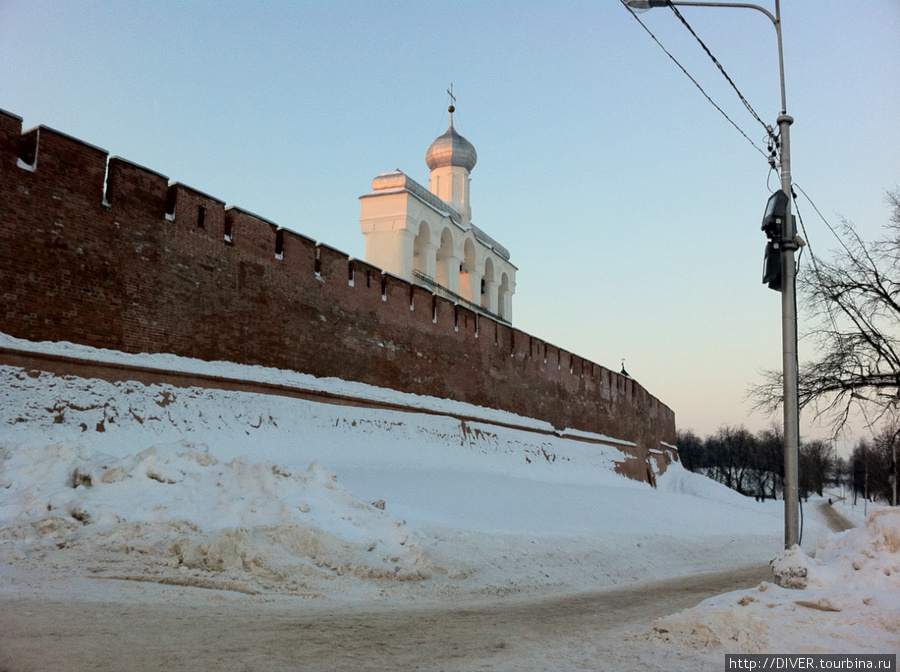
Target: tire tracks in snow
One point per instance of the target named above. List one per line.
(195, 630)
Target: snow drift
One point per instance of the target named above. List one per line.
(173, 513)
(264, 494)
(844, 599)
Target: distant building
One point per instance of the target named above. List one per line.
(426, 236)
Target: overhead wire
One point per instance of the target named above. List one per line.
(772, 165)
(821, 216)
(774, 146)
(796, 209)
(806, 237)
(697, 84)
(829, 307)
(773, 138)
(721, 69)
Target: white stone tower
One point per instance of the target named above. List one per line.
(426, 236)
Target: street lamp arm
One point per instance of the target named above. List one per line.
(774, 18)
(745, 5)
(644, 5)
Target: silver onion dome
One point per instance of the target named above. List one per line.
(451, 149)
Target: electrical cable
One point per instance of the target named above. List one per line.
(806, 238)
(822, 217)
(797, 364)
(815, 264)
(769, 177)
(829, 309)
(721, 69)
(796, 209)
(829, 306)
(696, 83)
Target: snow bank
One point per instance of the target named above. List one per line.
(278, 496)
(845, 599)
(173, 513)
(487, 509)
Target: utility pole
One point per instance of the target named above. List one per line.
(787, 246)
(790, 365)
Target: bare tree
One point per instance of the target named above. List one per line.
(691, 450)
(770, 462)
(752, 464)
(817, 464)
(854, 299)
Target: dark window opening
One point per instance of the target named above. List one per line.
(170, 203)
(201, 216)
(279, 243)
(28, 145)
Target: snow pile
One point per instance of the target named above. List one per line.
(228, 490)
(489, 509)
(679, 481)
(175, 514)
(846, 598)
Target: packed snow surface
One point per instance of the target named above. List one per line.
(845, 599)
(265, 494)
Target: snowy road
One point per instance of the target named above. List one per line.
(595, 631)
(836, 522)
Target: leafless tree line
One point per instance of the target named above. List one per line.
(870, 469)
(753, 464)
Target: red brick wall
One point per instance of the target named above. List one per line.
(131, 268)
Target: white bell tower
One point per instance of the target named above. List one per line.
(451, 159)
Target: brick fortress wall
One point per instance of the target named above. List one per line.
(102, 252)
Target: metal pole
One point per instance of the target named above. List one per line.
(788, 299)
(894, 460)
(895, 434)
(789, 351)
(789, 288)
(790, 364)
(866, 500)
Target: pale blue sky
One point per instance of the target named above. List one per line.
(629, 204)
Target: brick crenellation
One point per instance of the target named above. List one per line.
(100, 251)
